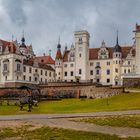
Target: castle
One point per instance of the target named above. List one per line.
(81, 63)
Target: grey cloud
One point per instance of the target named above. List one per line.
(15, 11)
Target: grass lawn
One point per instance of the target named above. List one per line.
(120, 121)
(128, 101)
(47, 133)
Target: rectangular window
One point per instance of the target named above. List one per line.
(65, 65)
(129, 63)
(18, 67)
(30, 70)
(108, 63)
(45, 73)
(41, 72)
(50, 74)
(91, 63)
(80, 71)
(116, 70)
(97, 72)
(91, 72)
(24, 77)
(108, 80)
(108, 72)
(97, 80)
(97, 63)
(30, 79)
(5, 68)
(36, 70)
(71, 65)
(24, 69)
(71, 73)
(65, 73)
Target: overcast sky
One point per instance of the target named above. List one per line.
(43, 21)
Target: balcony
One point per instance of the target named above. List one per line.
(18, 73)
(5, 72)
(36, 74)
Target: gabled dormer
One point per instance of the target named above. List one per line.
(103, 53)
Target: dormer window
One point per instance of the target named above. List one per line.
(103, 53)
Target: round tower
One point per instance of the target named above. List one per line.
(59, 64)
(117, 56)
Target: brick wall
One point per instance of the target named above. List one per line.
(131, 82)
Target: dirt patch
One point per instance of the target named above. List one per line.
(18, 124)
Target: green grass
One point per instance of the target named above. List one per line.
(120, 121)
(129, 101)
(47, 133)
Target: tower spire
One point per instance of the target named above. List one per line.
(117, 40)
(23, 39)
(59, 45)
(117, 47)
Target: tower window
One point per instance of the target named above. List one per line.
(80, 55)
(80, 40)
(91, 72)
(65, 73)
(80, 71)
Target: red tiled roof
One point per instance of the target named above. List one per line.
(45, 59)
(125, 51)
(65, 56)
(93, 52)
(41, 65)
(58, 54)
(11, 46)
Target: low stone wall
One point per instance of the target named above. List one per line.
(131, 82)
(89, 90)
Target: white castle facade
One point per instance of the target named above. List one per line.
(81, 63)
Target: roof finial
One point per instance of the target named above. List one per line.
(50, 52)
(12, 37)
(59, 40)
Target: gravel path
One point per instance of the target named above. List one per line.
(72, 115)
(62, 121)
